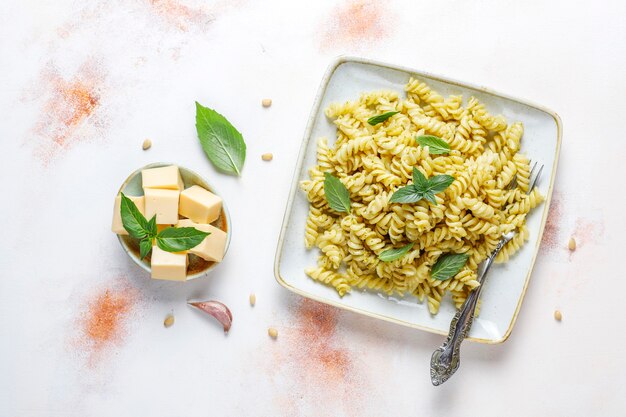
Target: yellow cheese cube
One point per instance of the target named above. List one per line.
(212, 247)
(199, 205)
(167, 178)
(163, 203)
(168, 265)
(117, 226)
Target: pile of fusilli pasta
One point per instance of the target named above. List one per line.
(374, 161)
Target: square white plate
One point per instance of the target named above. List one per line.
(504, 290)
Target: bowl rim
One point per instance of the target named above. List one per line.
(141, 264)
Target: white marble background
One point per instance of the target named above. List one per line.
(83, 83)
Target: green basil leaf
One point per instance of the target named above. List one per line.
(428, 195)
(177, 239)
(448, 265)
(436, 146)
(395, 253)
(419, 181)
(439, 183)
(381, 117)
(132, 219)
(406, 194)
(152, 227)
(222, 143)
(145, 246)
(336, 193)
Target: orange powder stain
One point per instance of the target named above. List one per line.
(356, 22)
(317, 324)
(79, 102)
(551, 234)
(104, 322)
(70, 104)
(324, 372)
(180, 15)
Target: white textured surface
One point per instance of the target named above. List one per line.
(147, 66)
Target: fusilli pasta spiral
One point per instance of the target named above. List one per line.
(375, 161)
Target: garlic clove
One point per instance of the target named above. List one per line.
(216, 309)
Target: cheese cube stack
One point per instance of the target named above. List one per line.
(212, 247)
(166, 198)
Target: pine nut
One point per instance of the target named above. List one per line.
(572, 244)
(169, 321)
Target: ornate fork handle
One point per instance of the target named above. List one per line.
(446, 360)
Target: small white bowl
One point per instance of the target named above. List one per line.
(198, 267)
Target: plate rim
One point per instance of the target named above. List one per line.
(330, 70)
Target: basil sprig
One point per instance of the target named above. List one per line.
(171, 239)
(448, 265)
(145, 246)
(134, 222)
(436, 146)
(374, 120)
(222, 143)
(176, 239)
(422, 187)
(336, 193)
(395, 253)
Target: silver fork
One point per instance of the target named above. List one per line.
(447, 359)
(513, 182)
